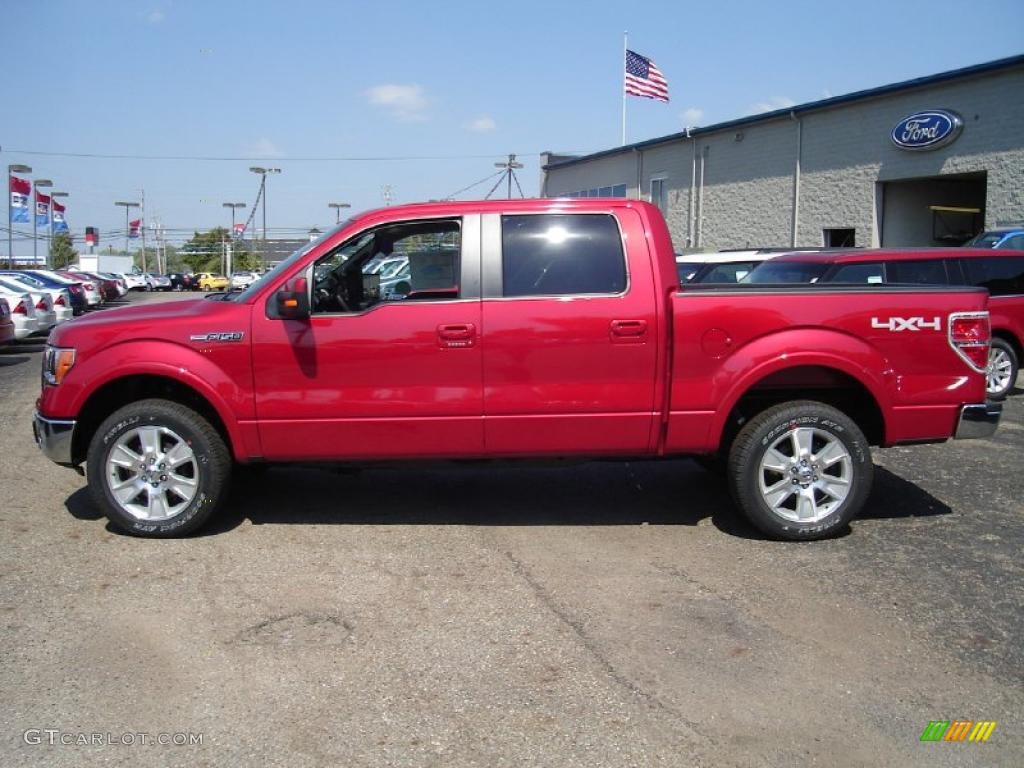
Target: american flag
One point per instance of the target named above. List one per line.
(643, 78)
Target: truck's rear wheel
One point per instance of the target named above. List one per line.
(800, 470)
(157, 468)
(1002, 370)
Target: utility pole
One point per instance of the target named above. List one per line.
(509, 175)
(337, 209)
(142, 227)
(386, 193)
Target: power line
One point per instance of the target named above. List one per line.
(348, 159)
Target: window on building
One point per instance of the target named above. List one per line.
(659, 194)
(619, 190)
(839, 238)
(605, 192)
(561, 255)
(923, 272)
(1001, 276)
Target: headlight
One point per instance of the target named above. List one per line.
(57, 362)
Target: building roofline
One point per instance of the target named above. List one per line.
(811, 106)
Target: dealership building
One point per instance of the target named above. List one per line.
(930, 161)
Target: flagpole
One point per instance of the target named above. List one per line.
(625, 46)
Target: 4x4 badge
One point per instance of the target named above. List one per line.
(906, 324)
(219, 336)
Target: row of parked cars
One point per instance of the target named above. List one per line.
(985, 262)
(32, 301)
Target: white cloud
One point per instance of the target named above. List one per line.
(483, 124)
(405, 102)
(770, 105)
(156, 16)
(262, 147)
(691, 116)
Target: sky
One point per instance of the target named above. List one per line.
(342, 96)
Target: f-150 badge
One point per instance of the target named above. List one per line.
(906, 324)
(218, 336)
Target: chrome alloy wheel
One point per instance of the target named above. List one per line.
(997, 374)
(805, 474)
(152, 473)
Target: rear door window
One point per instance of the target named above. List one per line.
(728, 273)
(1001, 275)
(562, 255)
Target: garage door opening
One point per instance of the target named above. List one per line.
(942, 210)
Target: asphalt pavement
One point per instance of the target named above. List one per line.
(601, 614)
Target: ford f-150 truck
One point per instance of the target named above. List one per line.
(535, 328)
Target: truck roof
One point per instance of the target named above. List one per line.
(523, 205)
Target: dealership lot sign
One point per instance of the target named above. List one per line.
(930, 129)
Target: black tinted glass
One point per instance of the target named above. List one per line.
(559, 255)
(1000, 275)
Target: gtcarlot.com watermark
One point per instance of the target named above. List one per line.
(55, 737)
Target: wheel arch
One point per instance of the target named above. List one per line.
(130, 388)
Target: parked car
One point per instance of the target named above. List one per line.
(58, 297)
(108, 288)
(7, 332)
(122, 286)
(34, 279)
(211, 282)
(182, 281)
(243, 279)
(157, 282)
(563, 333)
(1008, 238)
(23, 313)
(42, 303)
(133, 281)
(1001, 272)
(93, 297)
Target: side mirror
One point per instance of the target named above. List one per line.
(292, 301)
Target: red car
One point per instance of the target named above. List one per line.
(107, 286)
(533, 328)
(1001, 272)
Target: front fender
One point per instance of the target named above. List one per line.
(221, 374)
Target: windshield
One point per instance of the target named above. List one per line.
(288, 263)
(985, 240)
(776, 272)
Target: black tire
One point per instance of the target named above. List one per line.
(763, 432)
(211, 458)
(1000, 392)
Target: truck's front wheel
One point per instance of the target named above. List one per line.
(800, 470)
(157, 468)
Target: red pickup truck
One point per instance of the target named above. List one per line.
(535, 328)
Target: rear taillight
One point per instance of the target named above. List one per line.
(41, 304)
(969, 335)
(75, 289)
(59, 301)
(90, 287)
(20, 309)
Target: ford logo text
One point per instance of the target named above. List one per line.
(927, 130)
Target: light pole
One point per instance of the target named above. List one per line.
(127, 225)
(337, 208)
(11, 170)
(49, 241)
(35, 212)
(230, 235)
(263, 193)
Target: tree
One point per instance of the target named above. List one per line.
(202, 253)
(62, 250)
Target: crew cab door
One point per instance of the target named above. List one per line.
(571, 334)
(378, 372)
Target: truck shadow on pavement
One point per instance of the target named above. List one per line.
(600, 493)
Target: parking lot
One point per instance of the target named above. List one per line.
(613, 614)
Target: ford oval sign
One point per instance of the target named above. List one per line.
(927, 130)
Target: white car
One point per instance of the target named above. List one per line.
(61, 297)
(133, 281)
(243, 279)
(42, 302)
(23, 313)
(157, 282)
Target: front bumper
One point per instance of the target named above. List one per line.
(53, 436)
(979, 420)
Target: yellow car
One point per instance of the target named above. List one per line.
(211, 282)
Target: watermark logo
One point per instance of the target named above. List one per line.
(958, 730)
